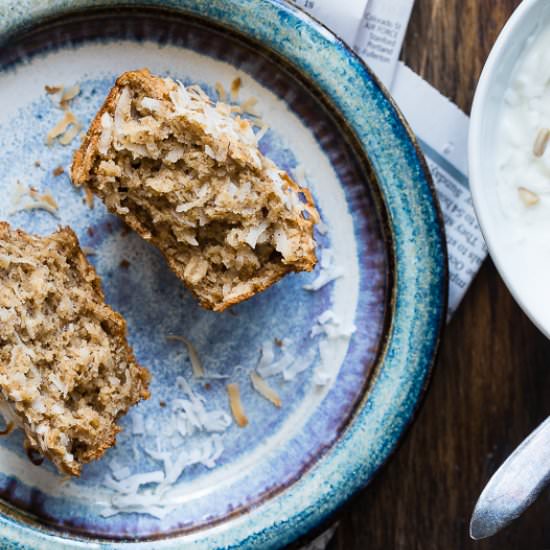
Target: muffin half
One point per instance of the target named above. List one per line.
(187, 175)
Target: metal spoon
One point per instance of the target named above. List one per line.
(514, 486)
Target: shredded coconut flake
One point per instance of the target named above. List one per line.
(51, 90)
(61, 127)
(529, 198)
(135, 503)
(330, 325)
(38, 206)
(70, 134)
(322, 378)
(154, 492)
(220, 90)
(196, 364)
(248, 105)
(322, 227)
(275, 367)
(322, 375)
(235, 88)
(209, 151)
(175, 154)
(263, 388)
(119, 471)
(130, 485)
(267, 355)
(106, 136)
(56, 381)
(300, 364)
(68, 95)
(36, 201)
(263, 131)
(329, 272)
(236, 405)
(152, 104)
(57, 409)
(49, 200)
(194, 415)
(255, 233)
(89, 197)
(7, 411)
(38, 406)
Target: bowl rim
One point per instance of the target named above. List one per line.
(419, 300)
(476, 159)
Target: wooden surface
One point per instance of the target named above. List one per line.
(491, 385)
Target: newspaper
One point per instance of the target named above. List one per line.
(380, 35)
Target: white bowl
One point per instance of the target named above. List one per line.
(523, 270)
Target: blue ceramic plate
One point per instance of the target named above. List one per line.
(351, 359)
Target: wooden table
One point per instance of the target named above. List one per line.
(490, 387)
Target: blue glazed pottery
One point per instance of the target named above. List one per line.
(347, 395)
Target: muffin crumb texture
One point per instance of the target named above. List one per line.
(66, 370)
(187, 175)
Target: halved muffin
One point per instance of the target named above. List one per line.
(67, 372)
(188, 176)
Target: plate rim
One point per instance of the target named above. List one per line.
(316, 502)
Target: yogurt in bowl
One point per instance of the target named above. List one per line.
(510, 157)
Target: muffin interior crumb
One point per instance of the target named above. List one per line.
(188, 176)
(66, 371)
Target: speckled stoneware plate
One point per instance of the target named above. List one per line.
(351, 359)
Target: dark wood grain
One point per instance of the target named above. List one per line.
(491, 384)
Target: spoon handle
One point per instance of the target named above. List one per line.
(515, 485)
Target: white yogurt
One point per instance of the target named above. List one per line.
(525, 229)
